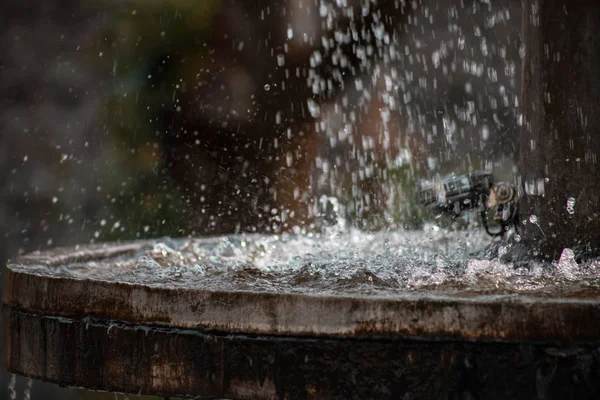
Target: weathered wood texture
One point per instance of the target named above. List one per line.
(560, 140)
(140, 359)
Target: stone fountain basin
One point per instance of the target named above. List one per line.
(172, 340)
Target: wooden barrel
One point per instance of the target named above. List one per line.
(64, 321)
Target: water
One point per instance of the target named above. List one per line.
(12, 387)
(27, 390)
(437, 92)
(337, 262)
(571, 205)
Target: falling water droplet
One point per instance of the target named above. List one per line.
(571, 205)
(313, 108)
(27, 390)
(323, 11)
(435, 58)
(12, 387)
(485, 132)
(267, 87)
(280, 60)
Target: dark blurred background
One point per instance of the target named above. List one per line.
(138, 119)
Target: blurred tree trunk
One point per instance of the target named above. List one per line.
(560, 140)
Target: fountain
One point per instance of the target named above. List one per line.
(196, 318)
(343, 313)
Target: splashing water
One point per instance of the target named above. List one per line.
(27, 390)
(340, 262)
(389, 105)
(12, 387)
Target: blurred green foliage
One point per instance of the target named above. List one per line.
(149, 51)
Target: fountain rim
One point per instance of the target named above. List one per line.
(419, 315)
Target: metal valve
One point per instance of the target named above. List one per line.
(472, 192)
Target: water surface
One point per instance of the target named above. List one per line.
(342, 263)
